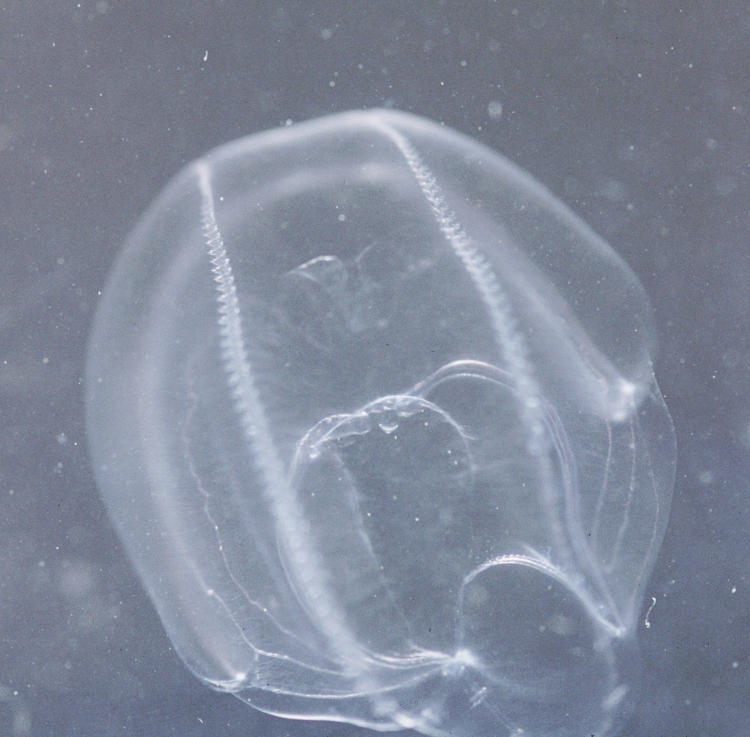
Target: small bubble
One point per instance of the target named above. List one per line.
(495, 110)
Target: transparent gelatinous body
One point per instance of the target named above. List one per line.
(375, 417)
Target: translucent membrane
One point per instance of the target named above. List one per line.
(375, 417)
